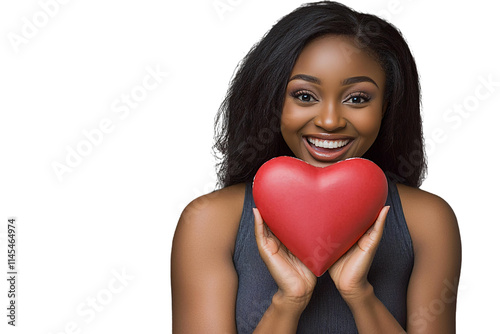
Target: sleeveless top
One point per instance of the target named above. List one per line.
(326, 312)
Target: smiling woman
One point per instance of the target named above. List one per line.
(325, 84)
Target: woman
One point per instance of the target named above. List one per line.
(324, 84)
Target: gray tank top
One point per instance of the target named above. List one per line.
(326, 312)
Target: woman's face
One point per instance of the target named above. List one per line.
(334, 102)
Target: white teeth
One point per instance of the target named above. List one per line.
(327, 143)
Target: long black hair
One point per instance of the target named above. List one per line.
(247, 125)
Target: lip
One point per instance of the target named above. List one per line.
(327, 154)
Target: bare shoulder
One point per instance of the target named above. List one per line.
(203, 278)
(216, 214)
(437, 260)
(430, 219)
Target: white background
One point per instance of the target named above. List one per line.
(117, 209)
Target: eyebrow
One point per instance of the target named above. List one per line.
(345, 82)
(306, 77)
(353, 80)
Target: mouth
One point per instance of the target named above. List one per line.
(323, 143)
(327, 149)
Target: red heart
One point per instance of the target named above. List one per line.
(319, 213)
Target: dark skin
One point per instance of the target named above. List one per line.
(204, 281)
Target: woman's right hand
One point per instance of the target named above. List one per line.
(295, 281)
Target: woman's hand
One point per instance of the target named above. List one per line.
(350, 272)
(295, 281)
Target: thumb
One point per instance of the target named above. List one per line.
(261, 231)
(371, 238)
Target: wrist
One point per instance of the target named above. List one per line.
(288, 304)
(359, 296)
(282, 316)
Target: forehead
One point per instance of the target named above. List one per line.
(337, 57)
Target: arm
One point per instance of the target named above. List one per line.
(350, 276)
(204, 281)
(295, 282)
(431, 298)
(433, 284)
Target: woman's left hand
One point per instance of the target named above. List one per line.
(350, 272)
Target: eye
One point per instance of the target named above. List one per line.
(303, 96)
(357, 98)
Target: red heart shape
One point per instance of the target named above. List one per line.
(318, 213)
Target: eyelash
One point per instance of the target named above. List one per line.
(362, 95)
(298, 93)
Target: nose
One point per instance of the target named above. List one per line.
(330, 117)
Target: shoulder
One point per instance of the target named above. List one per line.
(216, 215)
(203, 278)
(435, 275)
(431, 221)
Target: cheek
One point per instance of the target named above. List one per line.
(287, 128)
(368, 125)
(371, 127)
(295, 117)
(290, 121)
(287, 124)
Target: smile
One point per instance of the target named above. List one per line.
(328, 150)
(327, 143)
